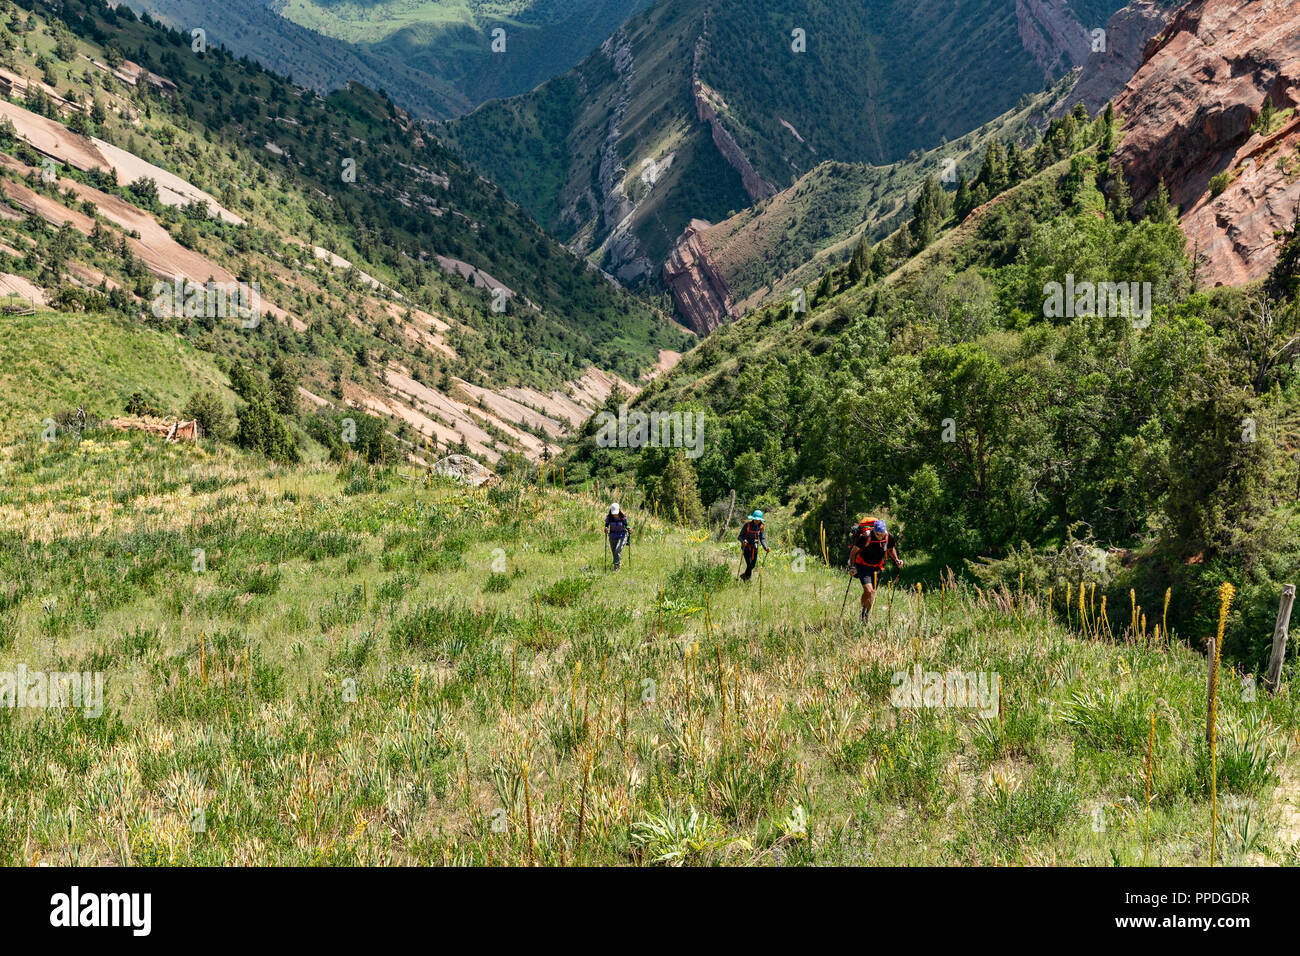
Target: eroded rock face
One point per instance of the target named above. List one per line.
(1189, 115)
(1107, 70)
(171, 431)
(703, 299)
(621, 252)
(1054, 38)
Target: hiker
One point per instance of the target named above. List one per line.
(751, 536)
(872, 543)
(619, 532)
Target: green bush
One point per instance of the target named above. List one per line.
(262, 430)
(214, 418)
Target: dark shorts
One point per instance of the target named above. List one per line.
(868, 574)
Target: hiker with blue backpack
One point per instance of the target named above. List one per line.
(872, 544)
(751, 537)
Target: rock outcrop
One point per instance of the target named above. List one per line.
(1053, 37)
(621, 253)
(464, 469)
(707, 103)
(1190, 115)
(1107, 70)
(701, 294)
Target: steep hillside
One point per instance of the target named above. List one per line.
(1137, 431)
(251, 28)
(436, 58)
(717, 272)
(613, 158)
(695, 110)
(390, 278)
(457, 40)
(1213, 113)
(56, 363)
(331, 668)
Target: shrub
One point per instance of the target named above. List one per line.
(214, 418)
(564, 592)
(145, 190)
(137, 404)
(262, 430)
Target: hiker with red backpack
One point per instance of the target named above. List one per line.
(872, 544)
(751, 537)
(619, 532)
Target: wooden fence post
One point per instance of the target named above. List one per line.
(1274, 675)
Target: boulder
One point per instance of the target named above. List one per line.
(464, 469)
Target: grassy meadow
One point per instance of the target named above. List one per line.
(337, 666)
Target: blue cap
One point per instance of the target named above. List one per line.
(879, 526)
(756, 516)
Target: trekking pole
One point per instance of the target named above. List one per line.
(845, 603)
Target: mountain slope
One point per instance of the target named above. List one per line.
(717, 272)
(372, 697)
(392, 279)
(434, 57)
(250, 28)
(696, 110)
(453, 39)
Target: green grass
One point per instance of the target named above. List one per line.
(58, 362)
(353, 679)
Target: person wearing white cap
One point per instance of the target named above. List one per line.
(619, 531)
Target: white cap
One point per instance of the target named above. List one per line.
(613, 509)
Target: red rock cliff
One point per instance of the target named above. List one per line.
(1189, 115)
(700, 293)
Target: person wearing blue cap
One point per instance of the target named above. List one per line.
(751, 537)
(872, 544)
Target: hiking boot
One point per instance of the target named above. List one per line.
(864, 616)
